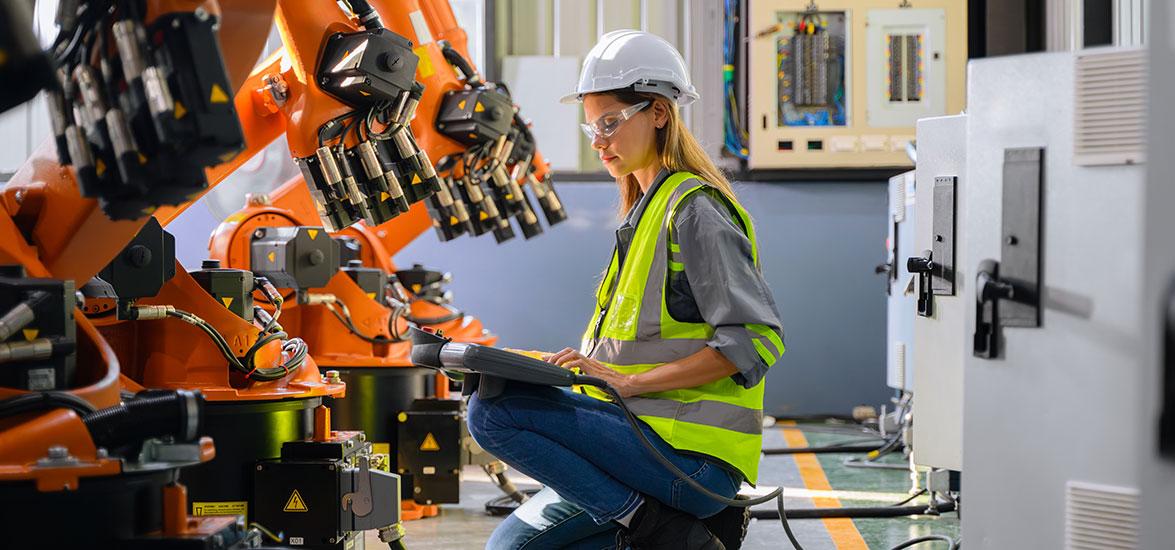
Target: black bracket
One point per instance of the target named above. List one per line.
(923, 266)
(1167, 410)
(942, 276)
(989, 290)
(1007, 293)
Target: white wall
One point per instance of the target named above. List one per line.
(526, 30)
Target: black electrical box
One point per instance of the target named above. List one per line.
(294, 257)
(231, 287)
(475, 115)
(42, 352)
(429, 445)
(370, 280)
(144, 265)
(368, 67)
(323, 494)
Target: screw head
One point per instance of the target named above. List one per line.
(138, 256)
(1012, 240)
(316, 257)
(58, 451)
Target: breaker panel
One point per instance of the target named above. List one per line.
(850, 78)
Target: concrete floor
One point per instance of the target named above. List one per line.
(811, 480)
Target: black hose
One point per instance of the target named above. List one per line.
(152, 413)
(858, 512)
(505, 504)
(951, 544)
(39, 401)
(455, 59)
(634, 423)
(367, 15)
(830, 449)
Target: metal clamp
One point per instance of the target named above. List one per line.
(989, 290)
(923, 266)
(360, 502)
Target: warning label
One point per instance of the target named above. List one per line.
(430, 443)
(229, 508)
(295, 503)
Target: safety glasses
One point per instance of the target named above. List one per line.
(608, 123)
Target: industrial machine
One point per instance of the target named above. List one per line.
(849, 79)
(1156, 401)
(939, 267)
(1029, 299)
(900, 291)
(146, 117)
(354, 313)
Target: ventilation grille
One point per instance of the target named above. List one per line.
(898, 200)
(1098, 517)
(1110, 110)
(899, 361)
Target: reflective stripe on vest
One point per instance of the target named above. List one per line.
(632, 331)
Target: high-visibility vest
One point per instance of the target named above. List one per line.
(632, 331)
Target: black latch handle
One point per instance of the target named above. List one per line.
(922, 266)
(989, 290)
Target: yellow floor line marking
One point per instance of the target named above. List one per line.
(843, 531)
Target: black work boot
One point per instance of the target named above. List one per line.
(659, 527)
(730, 526)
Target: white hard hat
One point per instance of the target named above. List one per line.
(637, 59)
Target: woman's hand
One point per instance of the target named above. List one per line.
(569, 358)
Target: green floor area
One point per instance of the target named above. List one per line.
(467, 526)
(893, 485)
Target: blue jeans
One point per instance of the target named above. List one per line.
(594, 467)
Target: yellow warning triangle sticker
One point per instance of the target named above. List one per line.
(483, 216)
(313, 233)
(371, 295)
(479, 107)
(180, 111)
(430, 443)
(142, 159)
(100, 167)
(30, 334)
(461, 105)
(415, 288)
(415, 179)
(272, 256)
(295, 503)
(217, 94)
(228, 301)
(453, 220)
(383, 196)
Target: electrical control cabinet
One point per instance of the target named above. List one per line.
(849, 79)
(1051, 260)
(900, 290)
(939, 334)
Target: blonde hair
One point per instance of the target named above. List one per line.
(677, 149)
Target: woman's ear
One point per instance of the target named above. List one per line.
(660, 114)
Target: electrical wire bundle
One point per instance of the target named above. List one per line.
(130, 115)
(736, 137)
(370, 166)
(294, 350)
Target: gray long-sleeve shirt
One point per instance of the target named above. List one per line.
(720, 285)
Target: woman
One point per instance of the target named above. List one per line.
(684, 327)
